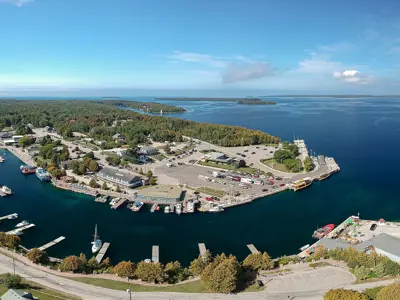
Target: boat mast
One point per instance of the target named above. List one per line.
(95, 233)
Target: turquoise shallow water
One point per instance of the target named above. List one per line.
(362, 134)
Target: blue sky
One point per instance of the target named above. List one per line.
(286, 46)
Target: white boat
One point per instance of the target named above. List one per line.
(172, 208)
(22, 224)
(114, 201)
(167, 210)
(6, 190)
(304, 247)
(18, 232)
(216, 208)
(190, 207)
(2, 159)
(178, 208)
(137, 206)
(13, 217)
(97, 243)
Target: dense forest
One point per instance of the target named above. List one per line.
(96, 120)
(150, 107)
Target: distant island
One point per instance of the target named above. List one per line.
(238, 100)
(149, 107)
(334, 96)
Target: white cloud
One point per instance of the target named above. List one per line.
(18, 3)
(352, 76)
(236, 72)
(197, 58)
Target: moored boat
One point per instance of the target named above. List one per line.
(97, 243)
(178, 208)
(42, 174)
(323, 176)
(322, 232)
(216, 208)
(167, 210)
(13, 217)
(22, 224)
(114, 201)
(304, 247)
(190, 206)
(6, 190)
(2, 159)
(301, 184)
(27, 169)
(137, 206)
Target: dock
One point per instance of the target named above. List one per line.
(252, 249)
(102, 252)
(52, 243)
(20, 229)
(6, 217)
(102, 199)
(120, 202)
(153, 207)
(155, 254)
(202, 249)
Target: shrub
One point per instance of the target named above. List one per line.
(258, 261)
(152, 272)
(124, 269)
(12, 281)
(37, 256)
(362, 272)
(390, 292)
(342, 294)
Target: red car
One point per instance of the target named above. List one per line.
(209, 199)
(282, 185)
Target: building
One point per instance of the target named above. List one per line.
(17, 295)
(117, 136)
(162, 194)
(5, 135)
(218, 157)
(8, 142)
(120, 177)
(146, 150)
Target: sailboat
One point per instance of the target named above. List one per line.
(97, 243)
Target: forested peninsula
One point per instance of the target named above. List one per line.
(238, 100)
(102, 121)
(150, 107)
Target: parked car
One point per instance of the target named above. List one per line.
(209, 199)
(253, 153)
(282, 185)
(246, 150)
(373, 227)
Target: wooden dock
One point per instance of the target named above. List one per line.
(102, 199)
(6, 217)
(120, 202)
(20, 229)
(155, 254)
(102, 252)
(52, 243)
(252, 249)
(202, 249)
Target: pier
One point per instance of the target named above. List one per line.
(52, 243)
(252, 249)
(120, 202)
(15, 231)
(102, 252)
(153, 207)
(6, 217)
(155, 254)
(102, 199)
(202, 249)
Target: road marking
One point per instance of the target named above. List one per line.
(293, 279)
(301, 276)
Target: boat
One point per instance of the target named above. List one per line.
(172, 208)
(18, 232)
(114, 201)
(304, 247)
(301, 184)
(6, 190)
(97, 243)
(137, 206)
(322, 232)
(216, 208)
(190, 207)
(27, 169)
(154, 207)
(178, 208)
(323, 176)
(2, 159)
(22, 224)
(13, 217)
(167, 210)
(42, 174)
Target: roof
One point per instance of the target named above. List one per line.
(383, 241)
(5, 135)
(119, 174)
(162, 190)
(17, 295)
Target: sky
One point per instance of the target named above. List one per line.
(93, 47)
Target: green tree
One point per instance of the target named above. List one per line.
(198, 265)
(342, 294)
(90, 155)
(37, 256)
(308, 164)
(152, 272)
(92, 264)
(125, 269)
(25, 141)
(362, 272)
(93, 183)
(104, 186)
(392, 268)
(320, 252)
(12, 281)
(173, 272)
(380, 270)
(390, 292)
(153, 181)
(149, 174)
(106, 263)
(93, 166)
(258, 261)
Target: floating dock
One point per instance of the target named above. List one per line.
(102, 252)
(153, 207)
(155, 254)
(102, 199)
(20, 229)
(252, 249)
(52, 243)
(6, 217)
(202, 249)
(120, 202)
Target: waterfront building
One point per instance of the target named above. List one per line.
(218, 157)
(148, 150)
(120, 177)
(17, 295)
(162, 194)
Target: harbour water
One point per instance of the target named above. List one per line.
(361, 134)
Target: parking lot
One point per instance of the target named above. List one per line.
(306, 280)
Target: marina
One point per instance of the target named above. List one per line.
(102, 252)
(119, 203)
(14, 216)
(20, 230)
(52, 243)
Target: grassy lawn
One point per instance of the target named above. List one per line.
(373, 292)
(109, 154)
(190, 287)
(275, 165)
(228, 167)
(210, 191)
(159, 156)
(37, 290)
(319, 264)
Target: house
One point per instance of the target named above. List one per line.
(30, 126)
(99, 143)
(120, 152)
(120, 177)
(17, 295)
(5, 135)
(17, 137)
(218, 157)
(117, 136)
(9, 142)
(119, 140)
(148, 150)
(49, 129)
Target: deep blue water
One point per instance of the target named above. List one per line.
(361, 134)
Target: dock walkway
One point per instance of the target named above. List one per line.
(14, 231)
(52, 243)
(6, 217)
(252, 249)
(102, 252)
(202, 249)
(120, 202)
(155, 254)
